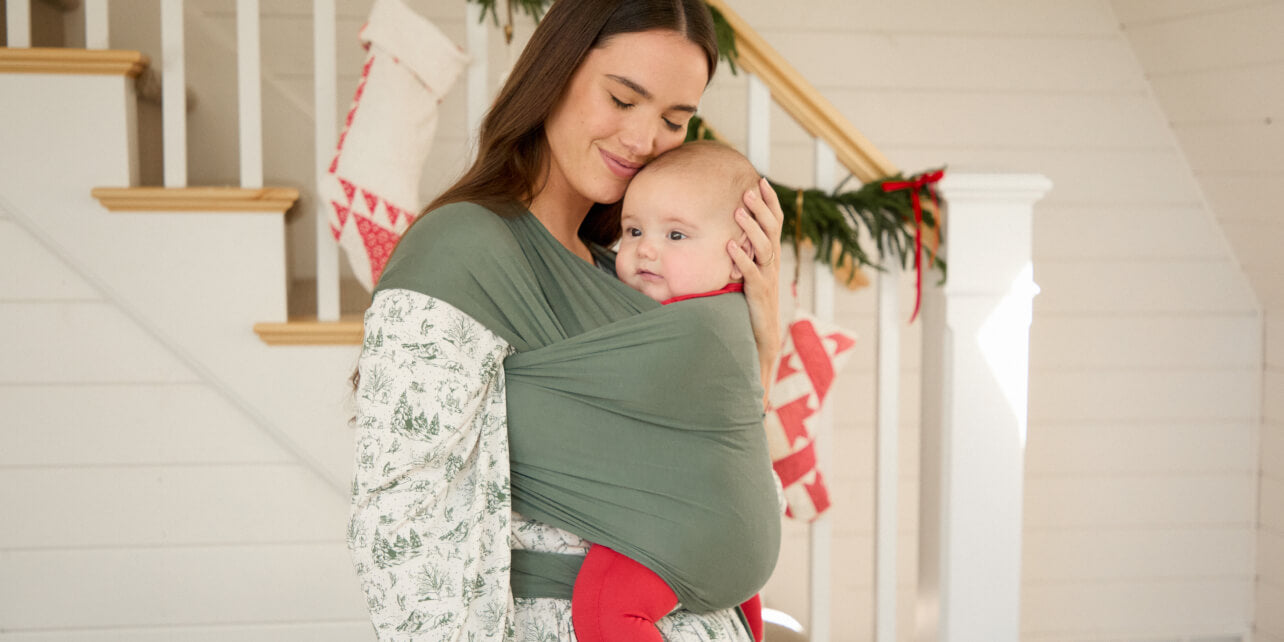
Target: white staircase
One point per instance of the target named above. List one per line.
(175, 477)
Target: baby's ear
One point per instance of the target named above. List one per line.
(747, 248)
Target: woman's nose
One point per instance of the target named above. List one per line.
(638, 136)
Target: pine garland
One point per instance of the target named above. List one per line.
(831, 222)
(533, 8)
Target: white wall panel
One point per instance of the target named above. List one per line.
(1154, 610)
(1244, 194)
(32, 273)
(148, 506)
(1111, 555)
(1221, 95)
(1068, 19)
(1014, 63)
(1272, 444)
(1255, 243)
(1244, 34)
(64, 343)
(1007, 119)
(69, 425)
(1075, 232)
(1098, 177)
(1142, 395)
(1141, 12)
(1147, 501)
(1272, 511)
(1270, 556)
(1113, 448)
(1218, 147)
(1145, 341)
(1270, 618)
(1141, 287)
(207, 585)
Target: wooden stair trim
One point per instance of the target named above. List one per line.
(299, 332)
(274, 200)
(59, 60)
(804, 103)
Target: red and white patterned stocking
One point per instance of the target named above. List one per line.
(812, 354)
(372, 184)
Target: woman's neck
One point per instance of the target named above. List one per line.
(561, 210)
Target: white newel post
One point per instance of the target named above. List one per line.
(976, 343)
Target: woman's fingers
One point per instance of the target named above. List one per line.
(763, 205)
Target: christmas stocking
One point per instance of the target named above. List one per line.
(810, 358)
(371, 185)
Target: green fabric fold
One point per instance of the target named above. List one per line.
(634, 425)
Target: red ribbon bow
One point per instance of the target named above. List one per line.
(914, 186)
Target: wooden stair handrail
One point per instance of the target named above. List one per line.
(801, 100)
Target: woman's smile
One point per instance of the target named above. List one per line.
(618, 166)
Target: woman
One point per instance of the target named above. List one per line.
(603, 87)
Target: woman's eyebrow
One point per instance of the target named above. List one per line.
(642, 91)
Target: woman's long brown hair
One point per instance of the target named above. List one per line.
(512, 148)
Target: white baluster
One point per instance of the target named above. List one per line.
(173, 94)
(758, 139)
(249, 92)
(887, 434)
(18, 23)
(96, 31)
(821, 530)
(479, 54)
(325, 90)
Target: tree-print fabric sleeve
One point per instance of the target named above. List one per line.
(430, 526)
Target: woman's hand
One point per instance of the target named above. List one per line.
(761, 220)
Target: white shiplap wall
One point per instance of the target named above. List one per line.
(1141, 485)
(1214, 67)
(1142, 489)
(139, 504)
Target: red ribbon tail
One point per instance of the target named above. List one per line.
(918, 253)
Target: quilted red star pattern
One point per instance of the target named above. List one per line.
(810, 358)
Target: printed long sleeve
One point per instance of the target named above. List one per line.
(431, 510)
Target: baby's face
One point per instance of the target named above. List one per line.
(675, 234)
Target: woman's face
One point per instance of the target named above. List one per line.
(629, 101)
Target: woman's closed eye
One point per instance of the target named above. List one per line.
(620, 104)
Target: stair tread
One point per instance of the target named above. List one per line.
(62, 60)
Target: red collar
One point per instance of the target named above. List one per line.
(730, 287)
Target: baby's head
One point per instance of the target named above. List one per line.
(677, 218)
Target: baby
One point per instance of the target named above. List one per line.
(676, 222)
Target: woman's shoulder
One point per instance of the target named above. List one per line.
(454, 238)
(459, 226)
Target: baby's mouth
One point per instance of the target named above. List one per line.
(647, 275)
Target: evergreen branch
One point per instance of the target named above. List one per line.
(533, 8)
(726, 40)
(831, 222)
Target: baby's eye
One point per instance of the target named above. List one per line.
(676, 236)
(632, 231)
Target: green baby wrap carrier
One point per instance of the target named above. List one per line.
(633, 425)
